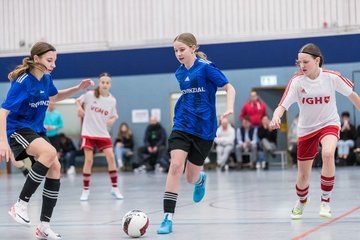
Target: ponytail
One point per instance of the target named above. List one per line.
(20, 69)
(97, 92)
(201, 55)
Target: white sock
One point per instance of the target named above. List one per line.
(169, 216)
(45, 224)
(25, 204)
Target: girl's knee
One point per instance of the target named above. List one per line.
(176, 169)
(327, 156)
(303, 177)
(56, 166)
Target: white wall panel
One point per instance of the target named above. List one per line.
(102, 24)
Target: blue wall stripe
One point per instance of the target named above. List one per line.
(242, 55)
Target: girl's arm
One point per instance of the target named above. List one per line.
(355, 99)
(68, 92)
(111, 121)
(276, 119)
(5, 151)
(80, 109)
(230, 99)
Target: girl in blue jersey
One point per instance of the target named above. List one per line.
(22, 113)
(195, 122)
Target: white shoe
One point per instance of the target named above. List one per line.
(116, 193)
(20, 214)
(85, 195)
(298, 209)
(71, 170)
(43, 231)
(263, 164)
(325, 210)
(257, 165)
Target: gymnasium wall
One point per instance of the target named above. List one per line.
(144, 78)
(84, 25)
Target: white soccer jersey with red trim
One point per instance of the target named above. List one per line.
(97, 112)
(316, 99)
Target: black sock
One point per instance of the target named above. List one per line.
(170, 202)
(33, 180)
(25, 171)
(50, 196)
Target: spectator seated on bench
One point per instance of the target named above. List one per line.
(267, 142)
(225, 141)
(154, 150)
(346, 141)
(124, 148)
(68, 153)
(246, 142)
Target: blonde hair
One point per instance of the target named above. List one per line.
(190, 40)
(128, 134)
(39, 49)
(97, 89)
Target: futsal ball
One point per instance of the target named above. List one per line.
(135, 223)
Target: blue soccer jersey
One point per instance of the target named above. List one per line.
(195, 111)
(27, 101)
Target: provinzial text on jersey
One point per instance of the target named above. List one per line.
(193, 90)
(39, 103)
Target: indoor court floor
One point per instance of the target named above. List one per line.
(245, 204)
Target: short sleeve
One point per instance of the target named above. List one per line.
(82, 98)
(52, 89)
(216, 76)
(343, 85)
(290, 95)
(16, 95)
(114, 110)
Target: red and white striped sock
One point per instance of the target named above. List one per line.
(113, 178)
(327, 184)
(302, 193)
(86, 180)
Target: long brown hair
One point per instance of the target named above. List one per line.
(39, 49)
(190, 40)
(314, 51)
(128, 134)
(97, 89)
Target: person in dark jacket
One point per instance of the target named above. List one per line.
(68, 153)
(124, 146)
(154, 149)
(267, 141)
(246, 141)
(347, 136)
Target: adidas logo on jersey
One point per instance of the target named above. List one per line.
(187, 79)
(303, 91)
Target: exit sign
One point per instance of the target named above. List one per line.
(269, 80)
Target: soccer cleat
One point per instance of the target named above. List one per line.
(325, 210)
(165, 227)
(19, 213)
(44, 231)
(199, 189)
(85, 195)
(298, 209)
(116, 193)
